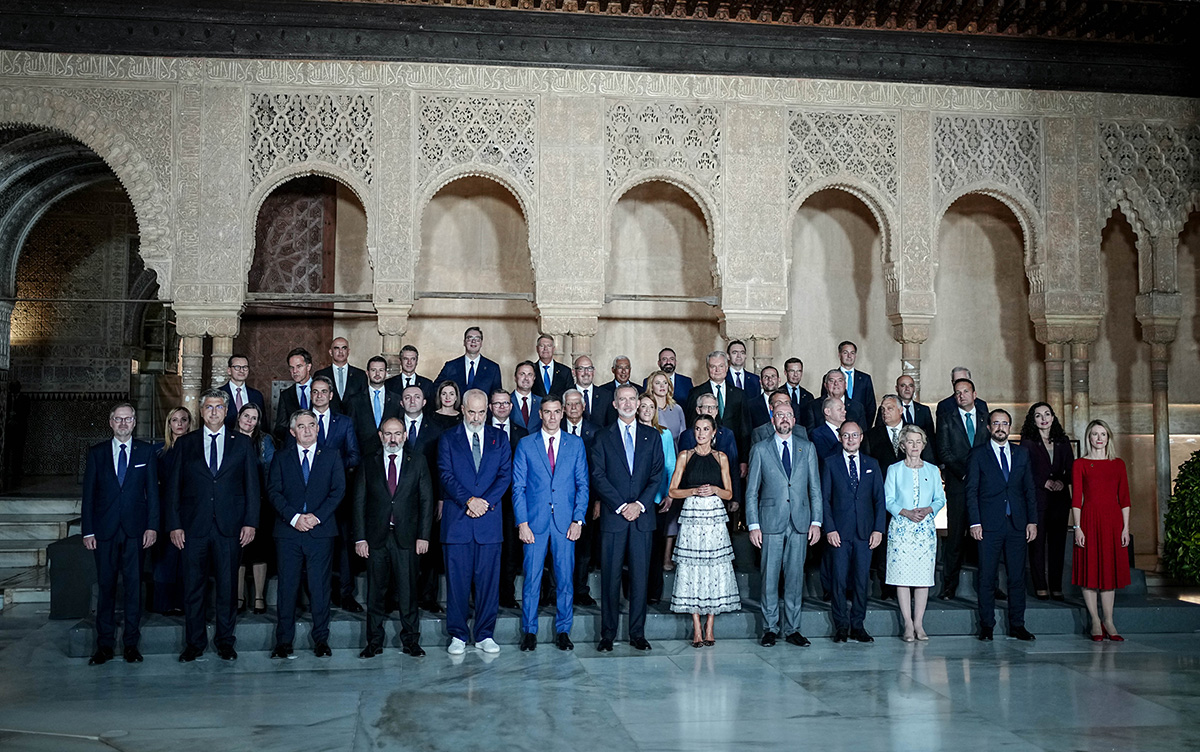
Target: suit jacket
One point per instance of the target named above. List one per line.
(461, 481)
(767, 430)
(615, 486)
(535, 418)
(291, 496)
(858, 513)
(396, 384)
(736, 416)
(953, 448)
(356, 381)
(949, 403)
(111, 508)
(426, 444)
(361, 410)
(587, 431)
(289, 402)
(410, 509)
(543, 499)
(758, 412)
(923, 418)
(603, 411)
(878, 444)
(802, 408)
(773, 498)
(248, 395)
(339, 437)
(198, 501)
(594, 406)
(751, 384)
(988, 492)
(487, 375)
(562, 378)
(854, 412)
(824, 440)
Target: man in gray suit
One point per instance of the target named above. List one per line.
(783, 512)
(767, 430)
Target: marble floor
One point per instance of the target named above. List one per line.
(953, 693)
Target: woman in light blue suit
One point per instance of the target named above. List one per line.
(914, 495)
(668, 520)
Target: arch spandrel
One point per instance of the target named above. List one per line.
(1027, 216)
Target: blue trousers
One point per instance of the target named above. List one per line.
(120, 555)
(467, 564)
(315, 555)
(851, 565)
(1010, 541)
(563, 551)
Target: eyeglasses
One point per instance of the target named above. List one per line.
(239, 368)
(130, 419)
(585, 369)
(501, 404)
(472, 339)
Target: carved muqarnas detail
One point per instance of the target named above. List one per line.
(1005, 151)
(648, 136)
(1157, 160)
(823, 144)
(290, 128)
(500, 132)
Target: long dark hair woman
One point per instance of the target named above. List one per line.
(1050, 456)
(261, 551)
(167, 560)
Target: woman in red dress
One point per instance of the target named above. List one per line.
(1100, 509)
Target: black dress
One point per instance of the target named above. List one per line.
(1047, 551)
(704, 579)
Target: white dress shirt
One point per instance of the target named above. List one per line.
(311, 453)
(220, 444)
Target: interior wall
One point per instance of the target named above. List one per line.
(1120, 370)
(1185, 353)
(837, 292)
(660, 246)
(353, 275)
(474, 238)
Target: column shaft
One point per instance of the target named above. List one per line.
(1055, 378)
(1159, 359)
(192, 377)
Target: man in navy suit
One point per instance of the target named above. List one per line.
(834, 385)
(913, 412)
(472, 370)
(525, 401)
(120, 516)
(585, 377)
(793, 371)
(959, 430)
(853, 519)
(587, 547)
(373, 405)
(1002, 507)
(347, 380)
(681, 385)
(212, 508)
(738, 375)
(858, 385)
(408, 375)
(237, 368)
(475, 463)
(295, 397)
(550, 499)
(305, 484)
(552, 377)
(503, 417)
(627, 467)
(825, 435)
(950, 403)
(603, 411)
(759, 409)
(422, 437)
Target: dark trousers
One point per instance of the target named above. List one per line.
(120, 556)
(467, 564)
(219, 555)
(168, 575)
(585, 547)
(617, 547)
(347, 560)
(396, 567)
(430, 568)
(956, 531)
(314, 555)
(510, 554)
(850, 564)
(1010, 542)
(1047, 550)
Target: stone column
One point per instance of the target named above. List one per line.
(763, 353)
(392, 324)
(1081, 401)
(6, 464)
(910, 331)
(570, 327)
(1159, 314)
(192, 375)
(759, 331)
(222, 348)
(581, 344)
(1055, 378)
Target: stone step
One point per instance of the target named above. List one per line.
(23, 553)
(25, 585)
(39, 505)
(36, 526)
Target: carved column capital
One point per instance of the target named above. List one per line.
(910, 328)
(1060, 329)
(1159, 314)
(392, 319)
(201, 320)
(756, 327)
(568, 320)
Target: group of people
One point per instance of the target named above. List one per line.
(414, 479)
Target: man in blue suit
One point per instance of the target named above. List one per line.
(119, 520)
(475, 464)
(1002, 508)
(680, 384)
(526, 404)
(550, 495)
(738, 376)
(237, 368)
(408, 375)
(627, 467)
(834, 385)
(306, 483)
(853, 518)
(472, 370)
(212, 509)
(552, 377)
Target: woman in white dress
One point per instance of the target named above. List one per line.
(914, 495)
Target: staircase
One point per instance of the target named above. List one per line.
(27, 526)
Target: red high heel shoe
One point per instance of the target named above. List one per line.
(1113, 637)
(1097, 637)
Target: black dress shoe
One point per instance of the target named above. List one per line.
(1057, 597)
(260, 609)
(639, 643)
(985, 634)
(413, 649)
(528, 642)
(584, 600)
(1021, 633)
(564, 641)
(947, 594)
(508, 603)
(351, 605)
(284, 650)
(226, 652)
(653, 601)
(841, 635)
(797, 639)
(605, 645)
(861, 635)
(190, 654)
(321, 650)
(101, 656)
(768, 639)
(1001, 595)
(132, 655)
(430, 607)
(369, 651)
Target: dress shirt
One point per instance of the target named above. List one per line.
(340, 375)
(836, 429)
(739, 378)
(307, 392)
(408, 421)
(962, 417)
(371, 392)
(220, 444)
(322, 418)
(621, 422)
(471, 433)
(575, 429)
(116, 450)
(312, 456)
(857, 462)
(589, 396)
(234, 388)
(894, 432)
(997, 450)
(792, 452)
(849, 374)
(468, 360)
(408, 379)
(503, 426)
(908, 408)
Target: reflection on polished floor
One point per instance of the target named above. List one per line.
(953, 693)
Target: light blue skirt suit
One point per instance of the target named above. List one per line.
(912, 546)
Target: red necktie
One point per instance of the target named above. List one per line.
(550, 454)
(393, 475)
(525, 409)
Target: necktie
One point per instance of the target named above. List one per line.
(853, 476)
(787, 461)
(587, 402)
(122, 465)
(1004, 469)
(408, 381)
(720, 401)
(574, 430)
(412, 432)
(895, 440)
(393, 475)
(476, 450)
(849, 384)
(525, 410)
(550, 455)
(321, 429)
(378, 407)
(908, 414)
(237, 400)
(341, 378)
(305, 469)
(969, 419)
(213, 465)
(546, 377)
(738, 379)
(303, 397)
(795, 397)
(629, 447)
(471, 375)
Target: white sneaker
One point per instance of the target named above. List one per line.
(457, 647)
(488, 646)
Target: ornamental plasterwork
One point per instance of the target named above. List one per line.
(1153, 165)
(291, 127)
(499, 132)
(971, 150)
(824, 143)
(656, 137)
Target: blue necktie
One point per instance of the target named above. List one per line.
(787, 461)
(546, 377)
(1004, 469)
(320, 431)
(849, 384)
(378, 408)
(908, 414)
(305, 469)
(629, 447)
(303, 397)
(476, 450)
(471, 375)
(212, 453)
(122, 466)
(970, 421)
(853, 476)
(412, 432)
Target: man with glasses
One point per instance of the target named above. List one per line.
(503, 418)
(472, 370)
(585, 377)
(237, 368)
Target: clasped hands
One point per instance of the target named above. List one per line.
(477, 507)
(525, 533)
(916, 515)
(306, 522)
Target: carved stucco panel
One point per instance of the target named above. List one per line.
(224, 257)
(917, 263)
(754, 249)
(1061, 246)
(972, 150)
(657, 137)
(187, 184)
(291, 127)
(1088, 204)
(826, 144)
(394, 257)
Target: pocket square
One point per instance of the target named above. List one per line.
(867, 471)
(137, 466)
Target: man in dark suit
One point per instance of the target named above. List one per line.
(834, 385)
(475, 463)
(627, 468)
(585, 376)
(824, 435)
(408, 375)
(421, 437)
(347, 380)
(552, 377)
(119, 519)
(759, 408)
(295, 397)
(681, 385)
(793, 371)
(959, 430)
(853, 519)
(305, 485)
(503, 418)
(1002, 507)
(373, 405)
(212, 508)
(738, 376)
(913, 412)
(237, 368)
(949, 404)
(472, 370)
(525, 403)
(731, 406)
(767, 430)
(606, 393)
(883, 441)
(858, 385)
(393, 517)
(588, 545)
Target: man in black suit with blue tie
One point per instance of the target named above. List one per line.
(119, 520)
(305, 484)
(408, 376)
(375, 404)
(552, 377)
(1002, 507)
(626, 468)
(802, 399)
(834, 385)
(681, 385)
(298, 396)
(237, 368)
(738, 375)
(212, 509)
(336, 434)
(959, 430)
(472, 370)
(912, 412)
